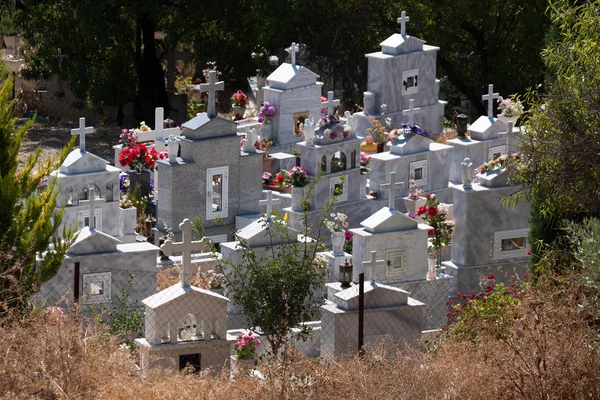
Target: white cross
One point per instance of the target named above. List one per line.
(292, 50)
(186, 247)
(211, 87)
(82, 131)
(371, 264)
(490, 99)
(402, 21)
(392, 186)
(269, 202)
(91, 206)
(411, 111)
(509, 127)
(159, 125)
(330, 103)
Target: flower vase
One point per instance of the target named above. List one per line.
(380, 147)
(337, 242)
(297, 196)
(363, 186)
(265, 130)
(241, 368)
(413, 205)
(431, 264)
(238, 112)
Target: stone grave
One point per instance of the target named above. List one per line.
(80, 170)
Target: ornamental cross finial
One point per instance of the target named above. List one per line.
(292, 50)
(411, 111)
(489, 97)
(82, 131)
(371, 265)
(186, 247)
(402, 21)
(392, 186)
(211, 87)
(330, 103)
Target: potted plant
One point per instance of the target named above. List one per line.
(378, 131)
(511, 108)
(298, 179)
(337, 226)
(239, 101)
(415, 198)
(216, 281)
(434, 215)
(244, 357)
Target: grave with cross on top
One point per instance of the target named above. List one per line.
(330, 103)
(211, 87)
(186, 247)
(82, 131)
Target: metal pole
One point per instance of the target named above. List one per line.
(361, 314)
(76, 283)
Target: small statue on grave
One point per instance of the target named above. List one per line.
(249, 141)
(309, 131)
(466, 168)
(352, 122)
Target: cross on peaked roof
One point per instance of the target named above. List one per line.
(186, 247)
(489, 97)
(269, 202)
(211, 87)
(292, 50)
(159, 125)
(330, 103)
(392, 186)
(411, 111)
(402, 21)
(82, 131)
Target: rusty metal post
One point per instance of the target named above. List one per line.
(76, 283)
(361, 314)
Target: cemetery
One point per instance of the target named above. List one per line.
(377, 221)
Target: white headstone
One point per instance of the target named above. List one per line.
(330, 103)
(186, 247)
(411, 111)
(292, 50)
(371, 264)
(402, 21)
(211, 87)
(490, 100)
(269, 202)
(82, 131)
(392, 186)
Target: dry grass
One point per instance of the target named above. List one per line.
(552, 354)
(168, 276)
(446, 135)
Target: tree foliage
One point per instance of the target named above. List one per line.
(28, 222)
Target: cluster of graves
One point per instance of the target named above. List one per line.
(209, 173)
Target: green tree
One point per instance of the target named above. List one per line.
(27, 221)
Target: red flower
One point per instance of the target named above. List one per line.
(432, 211)
(427, 195)
(348, 235)
(491, 276)
(430, 233)
(422, 210)
(280, 177)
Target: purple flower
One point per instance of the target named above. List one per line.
(411, 215)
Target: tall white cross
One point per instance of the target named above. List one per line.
(490, 100)
(411, 111)
(292, 50)
(330, 103)
(392, 186)
(159, 125)
(269, 202)
(211, 87)
(186, 247)
(371, 265)
(82, 131)
(402, 21)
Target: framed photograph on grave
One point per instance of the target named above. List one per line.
(395, 262)
(84, 220)
(96, 288)
(496, 151)
(299, 119)
(410, 81)
(511, 243)
(418, 172)
(337, 188)
(217, 192)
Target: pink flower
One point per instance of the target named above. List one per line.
(257, 341)
(239, 335)
(250, 333)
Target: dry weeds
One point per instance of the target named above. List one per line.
(552, 354)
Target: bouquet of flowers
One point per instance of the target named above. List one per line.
(266, 178)
(327, 120)
(511, 107)
(338, 223)
(246, 346)
(432, 214)
(409, 129)
(394, 135)
(365, 160)
(413, 192)
(297, 177)
(239, 99)
(266, 113)
(265, 145)
(138, 157)
(503, 162)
